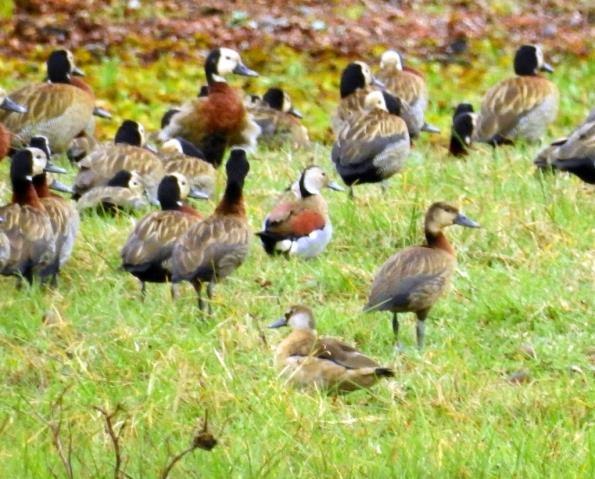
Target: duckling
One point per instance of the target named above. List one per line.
(125, 190)
(214, 248)
(301, 227)
(126, 153)
(58, 110)
(410, 87)
(151, 243)
(520, 107)
(27, 225)
(179, 155)
(307, 359)
(277, 118)
(414, 278)
(6, 103)
(63, 214)
(373, 145)
(357, 81)
(220, 119)
(61, 69)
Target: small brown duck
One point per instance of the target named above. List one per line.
(63, 214)
(306, 359)
(410, 87)
(127, 152)
(57, 109)
(214, 248)
(357, 81)
(5, 135)
(278, 119)
(414, 278)
(374, 144)
(124, 191)
(179, 155)
(220, 119)
(151, 242)
(301, 227)
(26, 224)
(517, 108)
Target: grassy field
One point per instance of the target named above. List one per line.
(525, 278)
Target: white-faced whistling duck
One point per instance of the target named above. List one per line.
(124, 191)
(214, 248)
(220, 119)
(301, 227)
(414, 278)
(306, 359)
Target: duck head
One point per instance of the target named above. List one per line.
(313, 179)
(130, 133)
(225, 61)
(9, 105)
(391, 58)
(175, 188)
(528, 60)
(278, 99)
(182, 146)
(127, 179)
(463, 125)
(42, 143)
(237, 167)
(357, 75)
(27, 163)
(441, 215)
(60, 67)
(296, 317)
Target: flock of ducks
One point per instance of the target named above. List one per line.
(376, 121)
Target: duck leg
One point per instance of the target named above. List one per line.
(143, 291)
(198, 288)
(396, 331)
(174, 291)
(384, 186)
(351, 195)
(210, 288)
(420, 328)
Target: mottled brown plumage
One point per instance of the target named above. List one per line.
(200, 174)
(124, 190)
(305, 359)
(414, 278)
(214, 248)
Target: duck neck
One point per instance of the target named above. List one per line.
(438, 240)
(232, 202)
(457, 147)
(23, 193)
(170, 204)
(40, 183)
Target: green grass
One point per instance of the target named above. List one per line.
(525, 277)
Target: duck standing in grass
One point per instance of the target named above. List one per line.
(6, 103)
(306, 359)
(301, 227)
(357, 81)
(57, 109)
(127, 152)
(410, 87)
(63, 214)
(26, 224)
(220, 119)
(373, 145)
(414, 278)
(521, 107)
(125, 190)
(150, 244)
(214, 248)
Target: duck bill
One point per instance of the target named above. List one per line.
(101, 113)
(51, 168)
(462, 220)
(151, 148)
(546, 67)
(76, 71)
(11, 105)
(278, 324)
(296, 113)
(243, 70)
(335, 186)
(430, 128)
(378, 83)
(198, 194)
(61, 187)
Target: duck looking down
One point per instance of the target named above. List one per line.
(306, 359)
(301, 227)
(414, 278)
(220, 119)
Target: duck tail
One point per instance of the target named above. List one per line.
(384, 372)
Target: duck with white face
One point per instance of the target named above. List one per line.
(218, 120)
(308, 360)
(302, 226)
